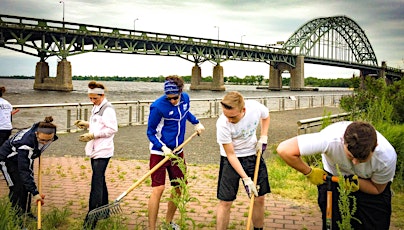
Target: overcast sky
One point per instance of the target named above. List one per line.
(260, 21)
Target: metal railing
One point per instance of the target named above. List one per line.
(137, 112)
(307, 125)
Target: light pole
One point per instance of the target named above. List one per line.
(134, 23)
(241, 39)
(217, 33)
(63, 2)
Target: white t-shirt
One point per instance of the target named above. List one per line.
(329, 142)
(243, 133)
(5, 114)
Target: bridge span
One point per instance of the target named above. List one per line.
(333, 41)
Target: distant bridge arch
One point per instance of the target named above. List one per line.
(337, 41)
(338, 38)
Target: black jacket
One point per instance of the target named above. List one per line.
(22, 148)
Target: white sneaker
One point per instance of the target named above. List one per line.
(174, 226)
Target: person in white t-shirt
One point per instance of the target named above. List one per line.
(6, 112)
(236, 136)
(363, 156)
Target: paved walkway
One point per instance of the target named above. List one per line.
(66, 183)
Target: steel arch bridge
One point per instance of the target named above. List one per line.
(334, 41)
(333, 38)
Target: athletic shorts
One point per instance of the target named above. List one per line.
(159, 176)
(229, 179)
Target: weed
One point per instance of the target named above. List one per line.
(183, 197)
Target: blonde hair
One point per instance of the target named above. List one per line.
(233, 100)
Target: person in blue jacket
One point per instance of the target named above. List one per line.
(17, 157)
(166, 130)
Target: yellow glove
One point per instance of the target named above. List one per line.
(316, 176)
(86, 137)
(199, 128)
(352, 183)
(81, 124)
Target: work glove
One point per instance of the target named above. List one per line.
(261, 145)
(199, 128)
(86, 137)
(351, 183)
(167, 151)
(316, 176)
(81, 124)
(39, 197)
(250, 187)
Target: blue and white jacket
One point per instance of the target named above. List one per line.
(23, 149)
(167, 123)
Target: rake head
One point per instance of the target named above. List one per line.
(104, 212)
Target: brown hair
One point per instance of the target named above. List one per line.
(93, 85)
(361, 139)
(176, 80)
(233, 100)
(47, 126)
(2, 90)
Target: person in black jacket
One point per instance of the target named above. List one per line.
(17, 157)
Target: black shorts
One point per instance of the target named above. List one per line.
(229, 179)
(374, 211)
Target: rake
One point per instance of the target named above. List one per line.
(105, 211)
(255, 179)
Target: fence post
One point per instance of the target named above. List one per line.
(68, 123)
(130, 115)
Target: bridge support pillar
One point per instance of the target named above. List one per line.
(62, 81)
(216, 85)
(218, 78)
(297, 74)
(196, 77)
(275, 79)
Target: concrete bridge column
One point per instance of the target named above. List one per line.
(41, 73)
(62, 81)
(275, 80)
(196, 77)
(297, 74)
(218, 78)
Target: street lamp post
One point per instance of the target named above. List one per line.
(134, 23)
(241, 39)
(217, 33)
(63, 2)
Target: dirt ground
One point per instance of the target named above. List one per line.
(131, 141)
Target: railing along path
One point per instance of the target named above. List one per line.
(137, 112)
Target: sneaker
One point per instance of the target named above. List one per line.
(174, 226)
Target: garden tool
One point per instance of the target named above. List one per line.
(250, 211)
(39, 223)
(114, 208)
(328, 215)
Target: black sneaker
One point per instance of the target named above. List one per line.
(32, 216)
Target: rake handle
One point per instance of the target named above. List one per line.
(39, 223)
(144, 177)
(331, 178)
(250, 211)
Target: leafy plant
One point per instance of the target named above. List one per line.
(180, 195)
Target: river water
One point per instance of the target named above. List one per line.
(21, 92)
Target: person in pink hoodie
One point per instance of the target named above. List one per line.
(100, 145)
